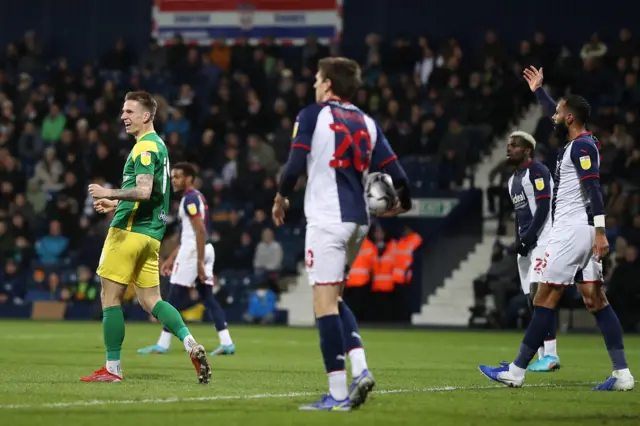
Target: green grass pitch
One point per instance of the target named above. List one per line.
(424, 377)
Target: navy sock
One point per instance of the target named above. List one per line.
(552, 331)
(611, 330)
(542, 321)
(331, 342)
(176, 298)
(349, 328)
(213, 307)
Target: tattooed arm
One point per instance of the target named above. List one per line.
(140, 192)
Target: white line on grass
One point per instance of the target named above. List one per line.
(173, 400)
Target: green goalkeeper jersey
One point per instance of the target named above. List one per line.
(148, 217)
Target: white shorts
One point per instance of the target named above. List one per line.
(185, 268)
(330, 249)
(530, 267)
(569, 257)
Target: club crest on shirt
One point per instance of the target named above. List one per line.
(145, 158)
(192, 209)
(585, 162)
(295, 130)
(539, 184)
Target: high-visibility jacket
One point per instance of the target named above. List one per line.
(362, 266)
(383, 269)
(405, 248)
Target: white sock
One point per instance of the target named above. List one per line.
(114, 367)
(189, 342)
(516, 371)
(550, 348)
(358, 362)
(338, 385)
(541, 351)
(624, 373)
(225, 337)
(165, 339)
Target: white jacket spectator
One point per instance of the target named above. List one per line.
(268, 255)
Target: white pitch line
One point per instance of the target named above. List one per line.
(256, 396)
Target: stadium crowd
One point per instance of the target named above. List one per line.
(229, 109)
(607, 74)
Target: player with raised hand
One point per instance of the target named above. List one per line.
(191, 263)
(336, 143)
(131, 249)
(530, 189)
(576, 246)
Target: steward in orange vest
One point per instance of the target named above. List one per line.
(405, 248)
(360, 272)
(382, 285)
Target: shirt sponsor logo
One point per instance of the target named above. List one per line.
(162, 216)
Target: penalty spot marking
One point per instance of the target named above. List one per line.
(99, 402)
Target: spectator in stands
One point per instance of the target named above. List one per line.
(36, 198)
(12, 286)
(30, 147)
(501, 282)
(52, 247)
(243, 253)
(262, 306)
(497, 193)
(86, 288)
(53, 125)
(6, 241)
(623, 291)
(594, 49)
(268, 257)
(49, 171)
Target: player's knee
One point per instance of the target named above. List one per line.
(325, 300)
(594, 297)
(148, 297)
(111, 294)
(548, 296)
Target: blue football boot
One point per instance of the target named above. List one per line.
(545, 364)
(224, 350)
(360, 388)
(327, 403)
(502, 375)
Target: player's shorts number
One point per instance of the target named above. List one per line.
(360, 162)
(541, 264)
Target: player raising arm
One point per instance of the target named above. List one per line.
(130, 252)
(576, 245)
(336, 143)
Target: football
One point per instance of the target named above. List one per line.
(381, 195)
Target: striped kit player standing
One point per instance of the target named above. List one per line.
(191, 263)
(337, 144)
(530, 189)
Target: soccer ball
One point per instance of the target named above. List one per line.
(381, 195)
